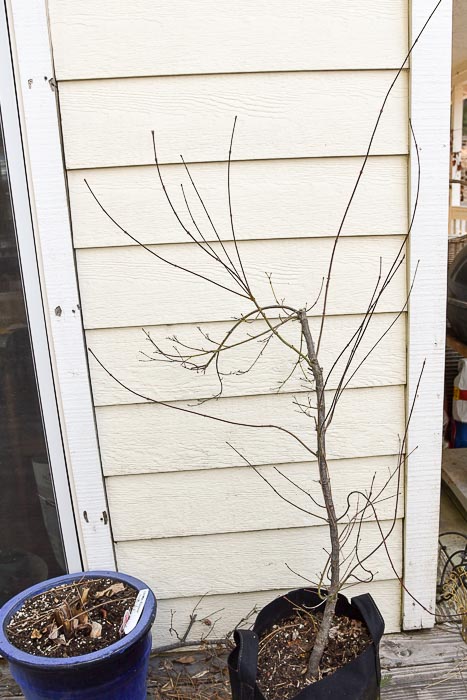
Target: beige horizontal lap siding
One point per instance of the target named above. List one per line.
(149, 438)
(129, 354)
(272, 199)
(280, 115)
(238, 500)
(188, 515)
(127, 286)
(250, 561)
(183, 36)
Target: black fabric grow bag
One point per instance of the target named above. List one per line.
(358, 680)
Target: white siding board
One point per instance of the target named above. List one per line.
(281, 115)
(232, 608)
(249, 561)
(430, 115)
(126, 353)
(175, 37)
(204, 502)
(150, 438)
(271, 199)
(127, 286)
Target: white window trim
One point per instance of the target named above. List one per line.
(38, 109)
(430, 88)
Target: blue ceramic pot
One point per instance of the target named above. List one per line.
(118, 672)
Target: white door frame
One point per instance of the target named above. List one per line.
(430, 88)
(33, 297)
(51, 231)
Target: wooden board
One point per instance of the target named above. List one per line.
(280, 115)
(246, 561)
(427, 682)
(127, 351)
(454, 474)
(271, 199)
(233, 500)
(456, 344)
(144, 438)
(107, 39)
(440, 645)
(130, 287)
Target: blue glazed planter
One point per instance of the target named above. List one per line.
(118, 672)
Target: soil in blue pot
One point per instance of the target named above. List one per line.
(66, 638)
(72, 619)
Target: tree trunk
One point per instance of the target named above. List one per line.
(330, 605)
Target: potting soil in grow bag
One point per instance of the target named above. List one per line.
(270, 661)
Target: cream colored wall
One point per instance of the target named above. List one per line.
(306, 80)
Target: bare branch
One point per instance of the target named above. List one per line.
(276, 491)
(201, 415)
(229, 194)
(159, 257)
(242, 282)
(365, 161)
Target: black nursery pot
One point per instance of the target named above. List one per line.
(358, 680)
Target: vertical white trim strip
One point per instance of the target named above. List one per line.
(42, 145)
(430, 87)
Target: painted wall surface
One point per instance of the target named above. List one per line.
(306, 80)
(459, 32)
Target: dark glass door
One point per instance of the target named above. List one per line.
(31, 547)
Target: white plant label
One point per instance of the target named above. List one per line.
(137, 610)
(126, 617)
